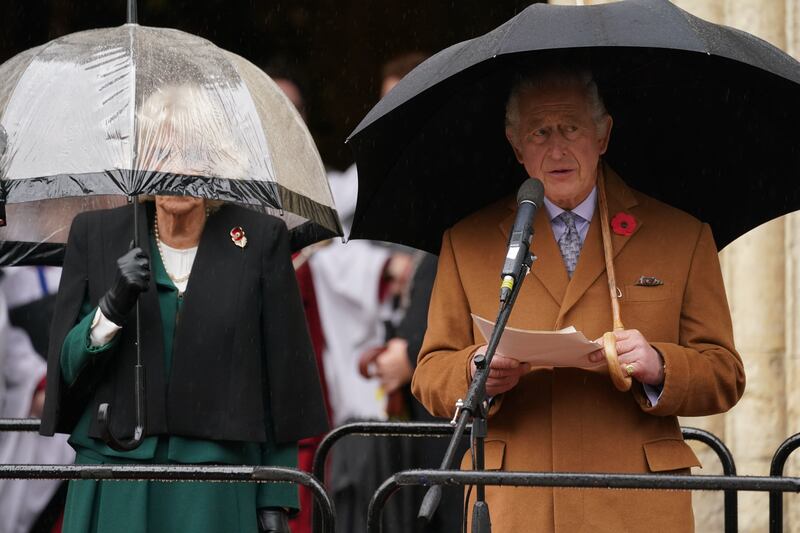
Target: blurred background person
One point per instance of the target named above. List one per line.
(26, 297)
(350, 294)
(291, 78)
(394, 363)
(362, 291)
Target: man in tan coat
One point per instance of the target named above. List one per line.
(679, 350)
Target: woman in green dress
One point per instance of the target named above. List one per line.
(231, 376)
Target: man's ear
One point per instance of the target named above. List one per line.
(605, 133)
(510, 137)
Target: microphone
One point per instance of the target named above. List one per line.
(529, 199)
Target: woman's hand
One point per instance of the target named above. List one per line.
(133, 276)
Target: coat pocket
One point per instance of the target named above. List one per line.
(494, 453)
(669, 454)
(637, 293)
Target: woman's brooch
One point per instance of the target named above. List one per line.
(238, 237)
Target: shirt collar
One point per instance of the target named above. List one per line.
(585, 209)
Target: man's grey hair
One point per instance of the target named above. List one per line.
(554, 77)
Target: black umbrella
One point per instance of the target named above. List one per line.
(705, 118)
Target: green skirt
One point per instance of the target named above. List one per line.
(157, 507)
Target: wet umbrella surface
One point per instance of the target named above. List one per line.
(76, 126)
(705, 119)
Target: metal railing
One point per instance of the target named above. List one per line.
(776, 470)
(731, 498)
(371, 429)
(570, 480)
(325, 513)
(443, 429)
(19, 424)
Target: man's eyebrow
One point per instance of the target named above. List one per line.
(536, 121)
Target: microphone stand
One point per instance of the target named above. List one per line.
(475, 407)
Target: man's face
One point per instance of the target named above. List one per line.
(557, 141)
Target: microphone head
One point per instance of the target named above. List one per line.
(531, 190)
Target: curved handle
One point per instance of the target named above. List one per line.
(104, 418)
(621, 381)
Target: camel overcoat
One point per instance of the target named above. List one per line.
(573, 420)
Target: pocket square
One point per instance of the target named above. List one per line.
(649, 281)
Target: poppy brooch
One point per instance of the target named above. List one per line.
(623, 224)
(238, 237)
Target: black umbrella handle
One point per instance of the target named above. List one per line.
(104, 411)
(104, 419)
(133, 17)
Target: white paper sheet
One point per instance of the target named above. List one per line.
(563, 348)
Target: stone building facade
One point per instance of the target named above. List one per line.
(762, 276)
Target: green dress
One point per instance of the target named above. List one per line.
(156, 507)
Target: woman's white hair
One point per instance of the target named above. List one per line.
(550, 77)
(183, 129)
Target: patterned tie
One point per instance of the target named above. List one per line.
(570, 241)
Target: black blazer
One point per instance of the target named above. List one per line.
(242, 364)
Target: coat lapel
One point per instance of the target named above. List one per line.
(215, 277)
(591, 263)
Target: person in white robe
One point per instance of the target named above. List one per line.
(22, 371)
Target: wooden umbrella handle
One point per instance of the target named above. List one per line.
(621, 381)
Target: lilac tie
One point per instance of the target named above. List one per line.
(570, 241)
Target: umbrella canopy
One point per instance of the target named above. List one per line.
(704, 119)
(97, 116)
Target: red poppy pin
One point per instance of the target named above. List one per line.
(623, 224)
(238, 237)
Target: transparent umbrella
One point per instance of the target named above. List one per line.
(82, 121)
(98, 118)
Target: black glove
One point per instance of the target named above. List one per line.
(133, 276)
(273, 520)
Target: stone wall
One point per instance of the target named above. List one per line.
(761, 275)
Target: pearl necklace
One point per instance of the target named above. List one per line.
(175, 279)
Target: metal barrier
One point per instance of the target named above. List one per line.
(375, 429)
(325, 516)
(19, 424)
(776, 469)
(443, 429)
(731, 497)
(249, 474)
(371, 429)
(571, 480)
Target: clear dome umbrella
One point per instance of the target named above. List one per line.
(98, 118)
(94, 118)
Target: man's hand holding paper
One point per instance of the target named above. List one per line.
(563, 348)
(504, 372)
